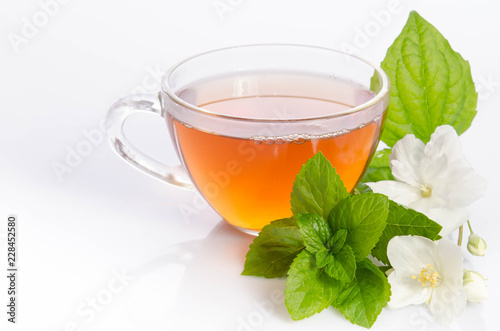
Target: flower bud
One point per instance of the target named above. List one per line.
(474, 286)
(476, 245)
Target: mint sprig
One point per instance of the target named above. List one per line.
(339, 235)
(324, 251)
(329, 237)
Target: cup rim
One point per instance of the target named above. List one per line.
(385, 88)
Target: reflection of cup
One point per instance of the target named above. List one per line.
(197, 285)
(245, 119)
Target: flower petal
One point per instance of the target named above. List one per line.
(445, 141)
(399, 192)
(425, 205)
(408, 254)
(449, 218)
(449, 262)
(447, 302)
(462, 187)
(405, 160)
(434, 170)
(449, 298)
(406, 291)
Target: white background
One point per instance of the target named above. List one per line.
(104, 247)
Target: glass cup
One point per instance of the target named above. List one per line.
(245, 119)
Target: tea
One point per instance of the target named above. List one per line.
(248, 180)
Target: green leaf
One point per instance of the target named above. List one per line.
(272, 252)
(402, 222)
(363, 299)
(309, 290)
(325, 253)
(384, 268)
(317, 188)
(337, 241)
(364, 217)
(431, 84)
(315, 231)
(343, 265)
(379, 168)
(323, 258)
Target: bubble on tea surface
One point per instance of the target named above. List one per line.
(299, 139)
(186, 125)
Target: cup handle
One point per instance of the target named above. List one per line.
(117, 114)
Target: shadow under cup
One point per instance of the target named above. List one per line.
(245, 119)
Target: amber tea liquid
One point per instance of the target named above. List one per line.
(248, 180)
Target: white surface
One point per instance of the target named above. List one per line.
(105, 218)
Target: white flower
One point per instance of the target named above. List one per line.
(476, 245)
(427, 271)
(434, 179)
(474, 286)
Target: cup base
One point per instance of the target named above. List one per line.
(247, 231)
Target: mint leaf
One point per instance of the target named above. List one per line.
(343, 265)
(364, 217)
(363, 299)
(323, 258)
(309, 290)
(337, 241)
(315, 231)
(431, 84)
(317, 188)
(401, 222)
(272, 252)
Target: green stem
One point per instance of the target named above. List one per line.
(460, 235)
(470, 228)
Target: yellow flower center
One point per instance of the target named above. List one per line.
(425, 190)
(428, 276)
